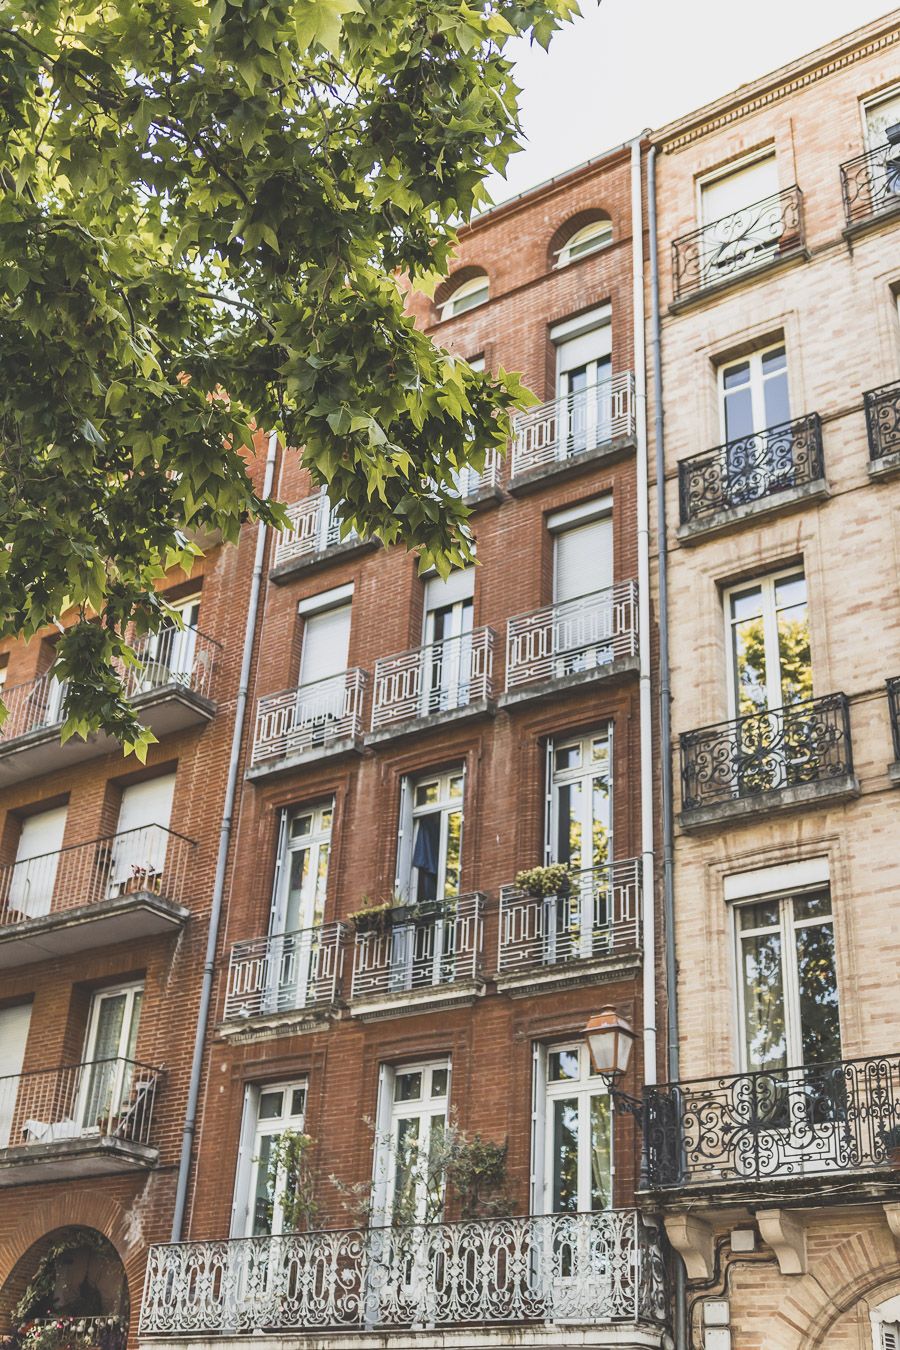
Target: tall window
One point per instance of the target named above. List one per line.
(583, 371)
(768, 644)
(469, 294)
(879, 114)
(580, 818)
(578, 1138)
(139, 848)
(298, 905)
(172, 651)
(409, 1172)
(430, 847)
(754, 393)
(322, 682)
(787, 984)
(447, 629)
(262, 1180)
(735, 235)
(33, 877)
(109, 1052)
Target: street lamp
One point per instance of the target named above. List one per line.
(610, 1040)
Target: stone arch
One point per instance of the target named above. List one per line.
(871, 1287)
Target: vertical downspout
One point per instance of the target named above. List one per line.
(215, 914)
(643, 542)
(665, 704)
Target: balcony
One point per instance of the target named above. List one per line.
(602, 1269)
(592, 930)
(80, 1120)
(757, 237)
(312, 721)
(172, 687)
(575, 642)
(428, 686)
(423, 957)
(883, 427)
(480, 489)
(768, 471)
(314, 537)
(870, 185)
(558, 438)
(786, 1129)
(767, 761)
(122, 888)
(287, 979)
(893, 694)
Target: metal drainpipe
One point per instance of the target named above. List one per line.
(665, 705)
(215, 915)
(643, 541)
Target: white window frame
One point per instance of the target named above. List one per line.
(596, 235)
(757, 383)
(767, 584)
(734, 167)
(586, 1086)
(119, 1082)
(586, 771)
(252, 1131)
(405, 882)
(464, 291)
(870, 102)
(388, 1115)
(320, 833)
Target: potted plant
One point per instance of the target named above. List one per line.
(542, 882)
(890, 1139)
(371, 917)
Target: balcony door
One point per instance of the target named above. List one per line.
(14, 1023)
(172, 651)
(582, 567)
(878, 115)
(579, 835)
(755, 415)
(583, 375)
(447, 638)
(430, 856)
(33, 875)
(262, 1182)
(321, 695)
(139, 847)
(108, 1075)
(735, 234)
(298, 906)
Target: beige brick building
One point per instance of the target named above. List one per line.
(779, 242)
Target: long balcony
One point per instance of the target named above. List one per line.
(554, 940)
(315, 534)
(78, 1120)
(787, 1126)
(576, 641)
(566, 432)
(172, 686)
(870, 185)
(761, 472)
(596, 1269)
(767, 760)
(419, 956)
(441, 681)
(883, 427)
(308, 722)
(121, 888)
(284, 977)
(756, 237)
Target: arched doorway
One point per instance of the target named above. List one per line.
(67, 1292)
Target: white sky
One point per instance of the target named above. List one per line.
(630, 64)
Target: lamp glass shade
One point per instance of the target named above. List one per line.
(610, 1039)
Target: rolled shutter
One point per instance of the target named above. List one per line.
(326, 642)
(582, 559)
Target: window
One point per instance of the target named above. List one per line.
(579, 825)
(577, 1134)
(447, 636)
(171, 651)
(33, 877)
(735, 236)
(787, 983)
(325, 644)
(768, 649)
(430, 844)
(467, 480)
(754, 393)
(879, 115)
(582, 551)
(298, 906)
(269, 1112)
(109, 1052)
(4, 667)
(584, 373)
(324, 694)
(467, 296)
(588, 239)
(14, 1023)
(409, 1149)
(142, 833)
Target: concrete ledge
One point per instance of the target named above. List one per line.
(778, 799)
(408, 1002)
(484, 498)
(482, 707)
(871, 223)
(885, 466)
(719, 1192)
(788, 499)
(561, 684)
(309, 562)
(557, 472)
(346, 745)
(566, 975)
(126, 918)
(70, 1159)
(766, 268)
(268, 1026)
(509, 1336)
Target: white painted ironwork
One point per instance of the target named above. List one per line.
(285, 972)
(470, 482)
(554, 431)
(599, 915)
(438, 677)
(420, 948)
(311, 715)
(315, 526)
(588, 1268)
(150, 860)
(574, 636)
(112, 1098)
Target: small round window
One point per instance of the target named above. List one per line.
(586, 240)
(471, 293)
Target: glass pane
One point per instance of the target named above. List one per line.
(820, 1030)
(565, 1156)
(321, 884)
(456, 786)
(600, 822)
(562, 1066)
(774, 361)
(793, 640)
(568, 823)
(776, 400)
(270, 1104)
(301, 826)
(749, 653)
(439, 1082)
(426, 856)
(764, 914)
(426, 793)
(454, 845)
(600, 750)
(407, 1087)
(601, 1173)
(738, 413)
(576, 380)
(108, 1035)
(298, 877)
(567, 758)
(435, 1181)
(747, 604)
(298, 1101)
(262, 1195)
(764, 1012)
(326, 818)
(812, 906)
(136, 1005)
(406, 1169)
(736, 376)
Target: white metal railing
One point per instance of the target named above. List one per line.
(438, 677)
(150, 859)
(315, 526)
(554, 431)
(311, 715)
(284, 972)
(111, 1098)
(573, 636)
(420, 947)
(598, 915)
(469, 481)
(588, 1268)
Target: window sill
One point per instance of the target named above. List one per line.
(72, 1159)
(885, 466)
(841, 788)
(283, 572)
(532, 480)
(788, 499)
(127, 918)
(269, 1026)
(871, 223)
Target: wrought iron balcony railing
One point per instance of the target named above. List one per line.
(573, 636)
(883, 421)
(420, 947)
(807, 742)
(782, 1123)
(756, 236)
(310, 716)
(599, 915)
(870, 184)
(105, 1098)
(589, 1268)
(553, 432)
(893, 693)
(315, 526)
(439, 677)
(285, 972)
(150, 860)
(751, 469)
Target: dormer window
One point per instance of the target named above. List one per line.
(590, 238)
(467, 296)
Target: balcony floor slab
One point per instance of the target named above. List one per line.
(126, 918)
(719, 1195)
(766, 268)
(267, 768)
(269, 1026)
(284, 572)
(788, 499)
(533, 480)
(482, 707)
(562, 684)
(894, 772)
(885, 466)
(566, 975)
(71, 1159)
(524, 1336)
(410, 1002)
(840, 788)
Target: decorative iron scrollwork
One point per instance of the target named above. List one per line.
(870, 184)
(756, 236)
(883, 421)
(751, 468)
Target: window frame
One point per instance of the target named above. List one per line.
(384, 1153)
(767, 584)
(584, 1088)
(757, 383)
(242, 1208)
(470, 287)
(405, 884)
(602, 232)
(585, 773)
(286, 846)
(718, 175)
(871, 101)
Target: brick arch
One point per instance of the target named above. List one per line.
(872, 1285)
(449, 285)
(571, 225)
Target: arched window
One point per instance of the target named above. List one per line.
(466, 296)
(588, 239)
